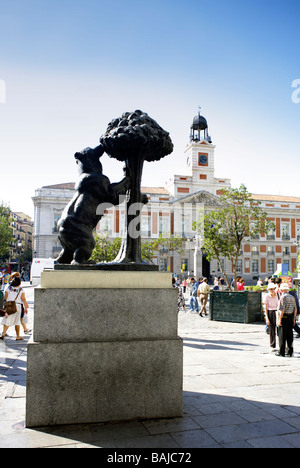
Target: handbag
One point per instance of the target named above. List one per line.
(10, 307)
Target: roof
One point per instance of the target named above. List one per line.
(276, 198)
(68, 185)
(155, 190)
(71, 186)
(22, 215)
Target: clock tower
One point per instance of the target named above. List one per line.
(200, 157)
(200, 164)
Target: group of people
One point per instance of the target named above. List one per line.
(199, 292)
(281, 310)
(11, 290)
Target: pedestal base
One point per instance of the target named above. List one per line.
(104, 354)
(72, 383)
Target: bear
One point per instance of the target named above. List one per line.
(94, 193)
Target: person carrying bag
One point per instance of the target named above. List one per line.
(14, 297)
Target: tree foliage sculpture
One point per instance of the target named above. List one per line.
(134, 138)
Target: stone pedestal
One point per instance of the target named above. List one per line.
(105, 348)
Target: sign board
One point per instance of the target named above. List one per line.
(288, 280)
(285, 269)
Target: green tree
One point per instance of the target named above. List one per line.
(236, 220)
(6, 234)
(105, 250)
(167, 244)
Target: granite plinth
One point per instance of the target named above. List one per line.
(104, 314)
(75, 383)
(104, 353)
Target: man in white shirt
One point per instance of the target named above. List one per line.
(203, 293)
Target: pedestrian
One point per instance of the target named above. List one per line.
(278, 282)
(271, 306)
(271, 280)
(259, 282)
(203, 294)
(184, 284)
(296, 326)
(216, 284)
(241, 284)
(14, 292)
(181, 299)
(24, 317)
(194, 307)
(286, 321)
(5, 280)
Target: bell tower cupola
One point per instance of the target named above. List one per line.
(199, 129)
(200, 164)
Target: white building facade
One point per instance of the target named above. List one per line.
(172, 209)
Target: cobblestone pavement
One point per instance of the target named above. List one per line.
(236, 394)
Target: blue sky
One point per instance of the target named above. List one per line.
(70, 66)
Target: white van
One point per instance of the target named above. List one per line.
(37, 266)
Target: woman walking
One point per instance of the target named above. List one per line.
(14, 293)
(271, 305)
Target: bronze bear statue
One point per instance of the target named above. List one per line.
(81, 216)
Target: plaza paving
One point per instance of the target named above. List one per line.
(236, 394)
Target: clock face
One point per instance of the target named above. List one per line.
(203, 159)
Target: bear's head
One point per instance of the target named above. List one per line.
(88, 160)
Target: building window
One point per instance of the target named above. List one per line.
(185, 265)
(106, 225)
(164, 227)
(286, 231)
(185, 224)
(254, 266)
(239, 266)
(255, 236)
(271, 234)
(183, 190)
(146, 226)
(255, 250)
(298, 232)
(56, 219)
(271, 266)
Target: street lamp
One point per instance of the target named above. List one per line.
(19, 252)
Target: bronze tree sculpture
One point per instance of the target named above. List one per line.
(134, 138)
